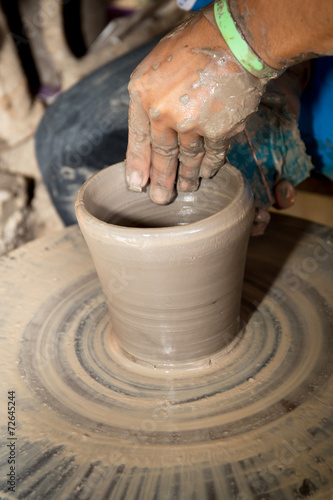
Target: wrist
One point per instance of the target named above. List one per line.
(239, 45)
(255, 30)
(284, 32)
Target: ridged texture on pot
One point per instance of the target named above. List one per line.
(172, 275)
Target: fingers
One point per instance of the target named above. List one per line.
(138, 154)
(191, 153)
(215, 153)
(164, 163)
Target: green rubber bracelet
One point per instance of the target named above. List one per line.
(238, 45)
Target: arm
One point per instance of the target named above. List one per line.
(190, 95)
(284, 32)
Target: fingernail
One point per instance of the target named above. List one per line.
(160, 196)
(134, 182)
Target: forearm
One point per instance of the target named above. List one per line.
(283, 32)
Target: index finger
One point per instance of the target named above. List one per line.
(138, 154)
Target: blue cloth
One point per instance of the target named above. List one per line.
(316, 119)
(274, 140)
(192, 4)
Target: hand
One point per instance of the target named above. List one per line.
(188, 97)
(285, 194)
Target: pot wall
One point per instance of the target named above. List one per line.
(173, 291)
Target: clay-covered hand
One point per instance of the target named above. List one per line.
(188, 97)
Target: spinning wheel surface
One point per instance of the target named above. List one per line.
(254, 421)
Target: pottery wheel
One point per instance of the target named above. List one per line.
(255, 422)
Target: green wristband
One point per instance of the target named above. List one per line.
(238, 45)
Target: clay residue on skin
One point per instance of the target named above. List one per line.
(155, 66)
(217, 55)
(136, 188)
(168, 59)
(196, 84)
(223, 121)
(213, 103)
(185, 99)
(186, 126)
(233, 97)
(154, 113)
(196, 145)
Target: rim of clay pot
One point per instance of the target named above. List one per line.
(222, 219)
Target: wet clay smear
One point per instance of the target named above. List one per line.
(254, 422)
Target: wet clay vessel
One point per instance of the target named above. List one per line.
(255, 423)
(172, 275)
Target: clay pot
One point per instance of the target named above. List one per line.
(172, 275)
